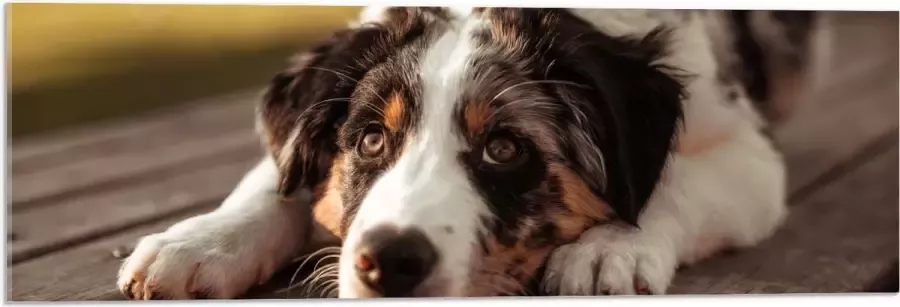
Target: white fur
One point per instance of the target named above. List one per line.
(724, 187)
(223, 252)
(427, 188)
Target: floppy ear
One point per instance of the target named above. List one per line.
(303, 107)
(630, 114)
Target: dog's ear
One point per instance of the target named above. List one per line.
(304, 105)
(630, 114)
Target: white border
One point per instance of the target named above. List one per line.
(819, 300)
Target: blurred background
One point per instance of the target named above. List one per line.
(126, 119)
(90, 62)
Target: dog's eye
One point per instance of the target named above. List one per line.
(500, 150)
(372, 143)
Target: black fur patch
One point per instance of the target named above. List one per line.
(589, 90)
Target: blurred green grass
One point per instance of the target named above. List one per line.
(72, 64)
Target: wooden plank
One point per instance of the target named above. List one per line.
(200, 119)
(76, 220)
(838, 240)
(824, 138)
(54, 168)
(50, 186)
(85, 272)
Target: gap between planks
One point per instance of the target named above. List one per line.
(84, 272)
(77, 220)
(34, 151)
(53, 187)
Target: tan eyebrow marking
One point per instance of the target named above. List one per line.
(477, 114)
(393, 112)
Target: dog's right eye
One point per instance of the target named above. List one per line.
(372, 143)
(500, 150)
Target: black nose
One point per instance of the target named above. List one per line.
(393, 261)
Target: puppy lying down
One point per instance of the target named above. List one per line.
(478, 151)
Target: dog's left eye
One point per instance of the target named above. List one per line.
(372, 143)
(501, 150)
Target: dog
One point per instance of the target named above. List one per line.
(486, 151)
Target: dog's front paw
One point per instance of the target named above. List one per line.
(609, 259)
(197, 258)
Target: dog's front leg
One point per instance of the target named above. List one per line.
(732, 196)
(223, 253)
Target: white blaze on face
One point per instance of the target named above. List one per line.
(427, 187)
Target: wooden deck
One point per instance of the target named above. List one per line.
(77, 196)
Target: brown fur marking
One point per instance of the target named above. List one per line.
(393, 112)
(584, 208)
(328, 208)
(477, 114)
(578, 197)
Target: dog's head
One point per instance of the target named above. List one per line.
(460, 147)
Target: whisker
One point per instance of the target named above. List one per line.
(291, 282)
(334, 292)
(330, 287)
(334, 251)
(372, 107)
(332, 71)
(318, 272)
(355, 81)
(324, 290)
(324, 258)
(317, 279)
(323, 280)
(560, 82)
(547, 71)
(535, 101)
(368, 104)
(324, 250)
(313, 106)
